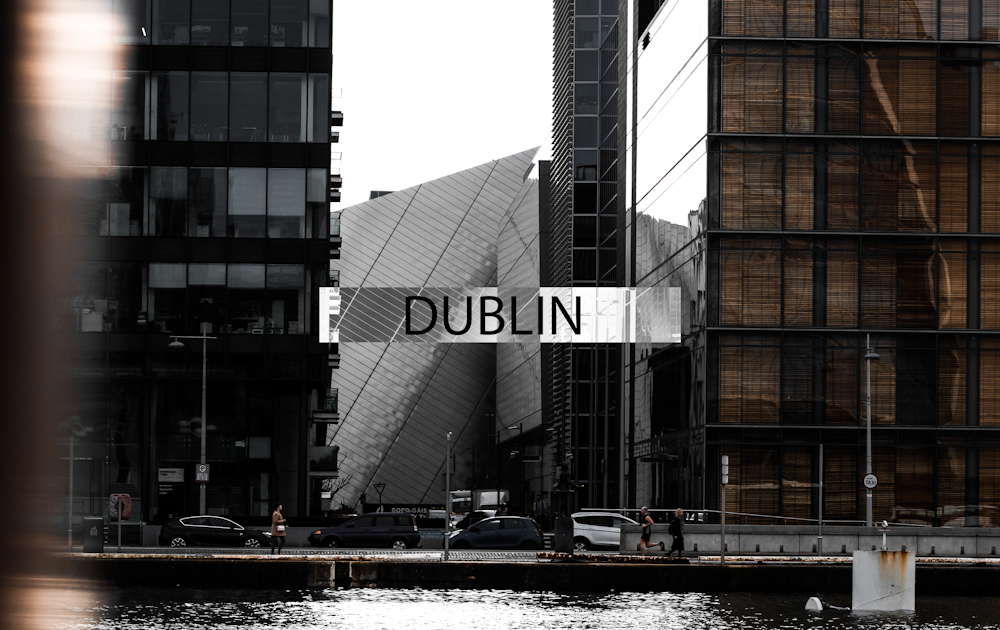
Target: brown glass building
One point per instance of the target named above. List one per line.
(850, 170)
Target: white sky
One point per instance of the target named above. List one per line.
(435, 87)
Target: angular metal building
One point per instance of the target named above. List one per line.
(397, 401)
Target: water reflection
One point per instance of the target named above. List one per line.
(373, 609)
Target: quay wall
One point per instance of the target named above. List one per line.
(307, 573)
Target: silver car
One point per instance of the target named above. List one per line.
(594, 530)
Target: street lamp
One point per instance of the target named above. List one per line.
(870, 355)
(379, 487)
(176, 344)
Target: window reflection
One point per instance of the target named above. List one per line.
(210, 23)
(133, 21)
(286, 202)
(171, 23)
(170, 106)
(249, 23)
(209, 106)
(207, 212)
(319, 23)
(288, 23)
(167, 201)
(126, 202)
(129, 116)
(248, 109)
(247, 195)
(287, 107)
(317, 208)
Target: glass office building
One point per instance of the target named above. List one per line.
(847, 173)
(582, 383)
(211, 216)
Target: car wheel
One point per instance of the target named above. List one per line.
(580, 544)
(462, 544)
(178, 541)
(251, 542)
(331, 542)
(529, 544)
(398, 543)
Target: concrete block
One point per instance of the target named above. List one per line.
(884, 580)
(838, 543)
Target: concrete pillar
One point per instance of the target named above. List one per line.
(884, 580)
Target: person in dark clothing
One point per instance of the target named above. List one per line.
(647, 532)
(676, 529)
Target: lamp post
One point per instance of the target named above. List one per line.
(447, 495)
(178, 345)
(870, 355)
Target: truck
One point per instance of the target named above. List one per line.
(465, 501)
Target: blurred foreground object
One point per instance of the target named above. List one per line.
(56, 65)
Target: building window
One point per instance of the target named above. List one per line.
(210, 23)
(169, 115)
(171, 23)
(289, 19)
(207, 204)
(287, 107)
(286, 202)
(248, 107)
(126, 202)
(209, 106)
(319, 23)
(588, 32)
(249, 19)
(319, 108)
(129, 114)
(317, 207)
(168, 198)
(247, 202)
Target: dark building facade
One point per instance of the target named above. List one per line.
(847, 172)
(582, 384)
(211, 217)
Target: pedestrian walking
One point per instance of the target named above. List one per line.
(277, 530)
(541, 511)
(676, 529)
(647, 532)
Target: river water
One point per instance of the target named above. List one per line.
(375, 609)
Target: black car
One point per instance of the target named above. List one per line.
(398, 531)
(210, 531)
(499, 532)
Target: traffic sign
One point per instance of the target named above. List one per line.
(201, 473)
(870, 481)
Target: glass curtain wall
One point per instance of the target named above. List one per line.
(815, 227)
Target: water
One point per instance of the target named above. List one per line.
(377, 609)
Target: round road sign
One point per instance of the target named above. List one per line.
(870, 481)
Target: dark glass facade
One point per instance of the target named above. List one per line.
(212, 216)
(582, 409)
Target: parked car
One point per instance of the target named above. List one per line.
(379, 529)
(594, 530)
(210, 531)
(499, 532)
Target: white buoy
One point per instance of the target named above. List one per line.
(814, 604)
